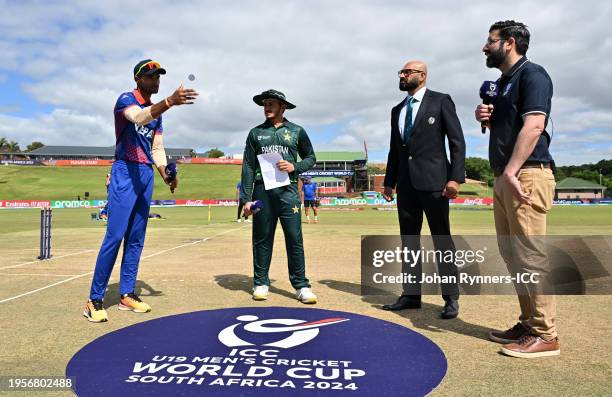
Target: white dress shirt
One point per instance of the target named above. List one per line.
(418, 96)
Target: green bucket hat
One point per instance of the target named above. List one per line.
(272, 94)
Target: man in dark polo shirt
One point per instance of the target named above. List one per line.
(524, 183)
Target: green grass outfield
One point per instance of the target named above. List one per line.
(562, 220)
(196, 181)
(189, 265)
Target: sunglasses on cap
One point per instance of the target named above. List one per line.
(149, 65)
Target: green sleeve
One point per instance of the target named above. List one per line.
(249, 166)
(306, 153)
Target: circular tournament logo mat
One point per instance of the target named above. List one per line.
(272, 351)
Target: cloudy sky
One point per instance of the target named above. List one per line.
(64, 63)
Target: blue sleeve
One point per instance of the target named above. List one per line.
(125, 101)
(536, 89)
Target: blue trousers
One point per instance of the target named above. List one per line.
(129, 200)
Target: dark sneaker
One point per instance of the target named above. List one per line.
(511, 335)
(531, 346)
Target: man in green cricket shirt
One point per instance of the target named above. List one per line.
(279, 135)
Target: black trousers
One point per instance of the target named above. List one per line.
(240, 205)
(411, 204)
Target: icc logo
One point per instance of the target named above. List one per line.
(301, 331)
(492, 92)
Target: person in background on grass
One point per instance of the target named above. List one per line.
(104, 210)
(310, 195)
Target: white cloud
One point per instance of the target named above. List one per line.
(91, 130)
(345, 142)
(335, 60)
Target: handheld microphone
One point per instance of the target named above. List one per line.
(171, 172)
(488, 92)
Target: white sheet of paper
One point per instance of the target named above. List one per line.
(272, 176)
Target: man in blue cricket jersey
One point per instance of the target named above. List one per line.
(309, 198)
(139, 145)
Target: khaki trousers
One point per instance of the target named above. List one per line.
(521, 229)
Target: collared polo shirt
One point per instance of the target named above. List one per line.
(525, 89)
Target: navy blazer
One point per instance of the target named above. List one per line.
(422, 162)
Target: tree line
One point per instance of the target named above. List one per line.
(13, 147)
(475, 167)
(479, 169)
(600, 172)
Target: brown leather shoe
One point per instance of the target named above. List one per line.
(511, 335)
(531, 346)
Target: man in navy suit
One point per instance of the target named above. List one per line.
(419, 170)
